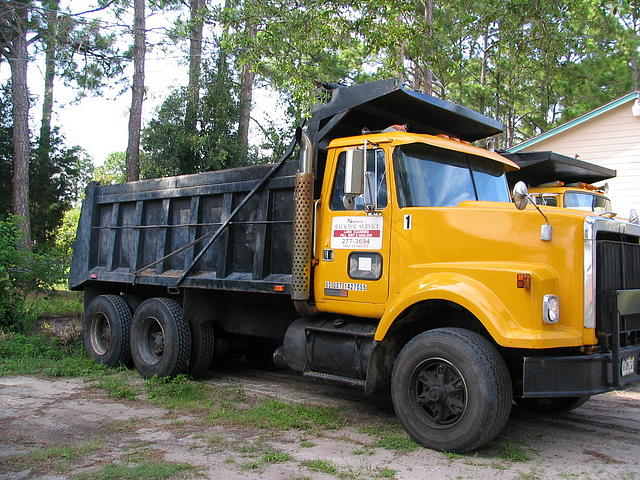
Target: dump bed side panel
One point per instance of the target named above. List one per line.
(125, 228)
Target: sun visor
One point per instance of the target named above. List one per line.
(377, 105)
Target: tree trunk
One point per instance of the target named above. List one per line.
(196, 23)
(635, 19)
(15, 50)
(246, 96)
(137, 92)
(483, 71)
(634, 71)
(44, 142)
(427, 79)
(402, 77)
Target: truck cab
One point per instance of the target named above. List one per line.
(578, 196)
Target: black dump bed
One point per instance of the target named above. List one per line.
(124, 228)
(171, 232)
(541, 167)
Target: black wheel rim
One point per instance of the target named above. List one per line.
(100, 334)
(151, 341)
(438, 392)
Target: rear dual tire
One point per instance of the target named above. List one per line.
(106, 330)
(163, 344)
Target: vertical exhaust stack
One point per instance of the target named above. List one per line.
(303, 230)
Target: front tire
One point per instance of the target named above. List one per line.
(451, 390)
(160, 339)
(106, 330)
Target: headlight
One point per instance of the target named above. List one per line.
(550, 309)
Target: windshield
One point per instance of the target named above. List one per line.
(587, 201)
(428, 176)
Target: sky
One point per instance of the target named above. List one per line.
(99, 123)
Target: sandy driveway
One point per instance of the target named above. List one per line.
(83, 430)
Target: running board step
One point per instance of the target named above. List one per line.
(354, 382)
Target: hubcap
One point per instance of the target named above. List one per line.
(438, 392)
(151, 341)
(100, 334)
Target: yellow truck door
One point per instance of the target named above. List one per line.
(353, 239)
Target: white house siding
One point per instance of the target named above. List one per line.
(612, 139)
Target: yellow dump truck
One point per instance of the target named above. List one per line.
(579, 196)
(388, 257)
(557, 180)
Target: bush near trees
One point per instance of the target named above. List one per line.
(22, 273)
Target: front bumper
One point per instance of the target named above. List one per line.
(580, 375)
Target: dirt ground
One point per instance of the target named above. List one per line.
(600, 440)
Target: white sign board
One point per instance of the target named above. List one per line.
(356, 233)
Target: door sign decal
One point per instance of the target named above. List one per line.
(362, 233)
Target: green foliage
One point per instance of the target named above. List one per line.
(323, 466)
(65, 235)
(56, 182)
(113, 170)
(387, 473)
(57, 458)
(57, 302)
(273, 456)
(174, 149)
(397, 442)
(6, 147)
(22, 273)
(181, 393)
(275, 414)
(118, 387)
(141, 471)
(24, 355)
(512, 452)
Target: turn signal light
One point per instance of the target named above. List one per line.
(278, 288)
(524, 281)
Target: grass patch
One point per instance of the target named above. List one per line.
(512, 452)
(307, 444)
(378, 429)
(118, 387)
(141, 471)
(183, 394)
(387, 473)
(278, 415)
(274, 456)
(452, 455)
(528, 476)
(24, 355)
(253, 465)
(396, 442)
(59, 302)
(58, 458)
(323, 466)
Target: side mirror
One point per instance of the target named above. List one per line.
(354, 172)
(633, 217)
(520, 195)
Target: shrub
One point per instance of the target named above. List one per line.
(22, 273)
